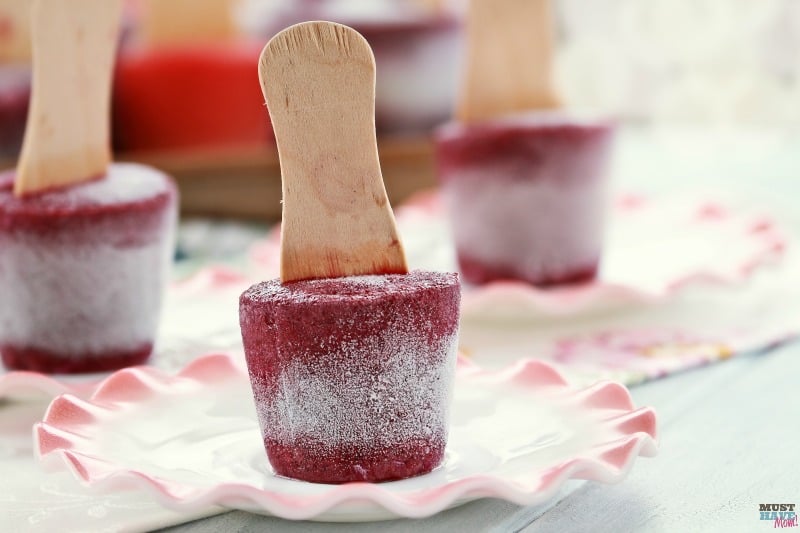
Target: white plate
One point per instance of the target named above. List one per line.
(193, 441)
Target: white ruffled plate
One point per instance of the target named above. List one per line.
(192, 440)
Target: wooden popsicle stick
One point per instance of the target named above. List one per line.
(319, 83)
(432, 6)
(170, 22)
(67, 138)
(15, 31)
(509, 59)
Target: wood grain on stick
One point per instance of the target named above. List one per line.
(319, 83)
(67, 137)
(509, 59)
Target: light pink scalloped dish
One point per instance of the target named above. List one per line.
(517, 435)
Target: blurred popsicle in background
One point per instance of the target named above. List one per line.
(85, 245)
(525, 181)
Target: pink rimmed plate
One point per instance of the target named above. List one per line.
(655, 248)
(192, 440)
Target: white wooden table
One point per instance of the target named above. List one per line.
(730, 433)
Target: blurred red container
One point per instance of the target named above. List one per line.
(189, 97)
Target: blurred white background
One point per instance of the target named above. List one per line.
(707, 61)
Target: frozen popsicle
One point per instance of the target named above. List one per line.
(524, 181)
(188, 82)
(15, 74)
(351, 357)
(84, 244)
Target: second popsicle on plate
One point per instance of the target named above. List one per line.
(525, 182)
(351, 358)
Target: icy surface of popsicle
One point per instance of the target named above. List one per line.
(82, 271)
(526, 196)
(352, 376)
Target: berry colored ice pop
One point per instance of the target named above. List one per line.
(351, 357)
(352, 375)
(525, 183)
(84, 244)
(82, 269)
(526, 196)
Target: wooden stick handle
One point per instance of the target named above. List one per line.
(319, 82)
(169, 22)
(509, 59)
(15, 31)
(67, 137)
